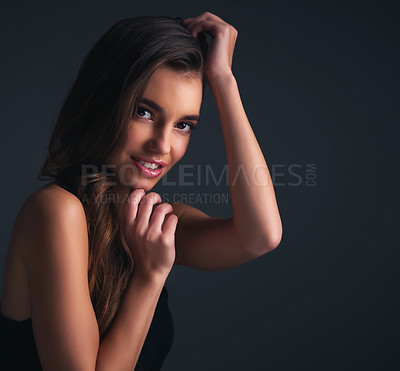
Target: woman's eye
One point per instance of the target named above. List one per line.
(143, 113)
(185, 126)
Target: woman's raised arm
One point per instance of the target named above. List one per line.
(255, 228)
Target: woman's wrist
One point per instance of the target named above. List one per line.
(218, 77)
(149, 278)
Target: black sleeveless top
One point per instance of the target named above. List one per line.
(18, 349)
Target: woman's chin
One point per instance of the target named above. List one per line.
(147, 186)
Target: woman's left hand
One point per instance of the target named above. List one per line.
(220, 51)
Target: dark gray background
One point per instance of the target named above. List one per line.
(319, 82)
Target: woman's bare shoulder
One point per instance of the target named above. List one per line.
(45, 211)
(52, 196)
(49, 220)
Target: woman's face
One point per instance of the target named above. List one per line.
(159, 132)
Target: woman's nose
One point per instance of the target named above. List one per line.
(160, 141)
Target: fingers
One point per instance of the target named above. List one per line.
(203, 25)
(170, 225)
(187, 20)
(158, 216)
(207, 21)
(131, 205)
(146, 220)
(144, 211)
(204, 16)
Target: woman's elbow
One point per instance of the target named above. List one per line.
(265, 243)
(274, 242)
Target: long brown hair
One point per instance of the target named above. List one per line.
(93, 120)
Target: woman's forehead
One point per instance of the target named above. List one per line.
(168, 88)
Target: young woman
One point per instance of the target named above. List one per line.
(90, 252)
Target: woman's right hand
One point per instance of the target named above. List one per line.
(150, 234)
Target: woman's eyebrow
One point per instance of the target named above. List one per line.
(158, 108)
(152, 104)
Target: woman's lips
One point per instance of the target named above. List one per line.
(144, 169)
(150, 160)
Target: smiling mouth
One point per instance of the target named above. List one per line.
(149, 165)
(149, 168)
